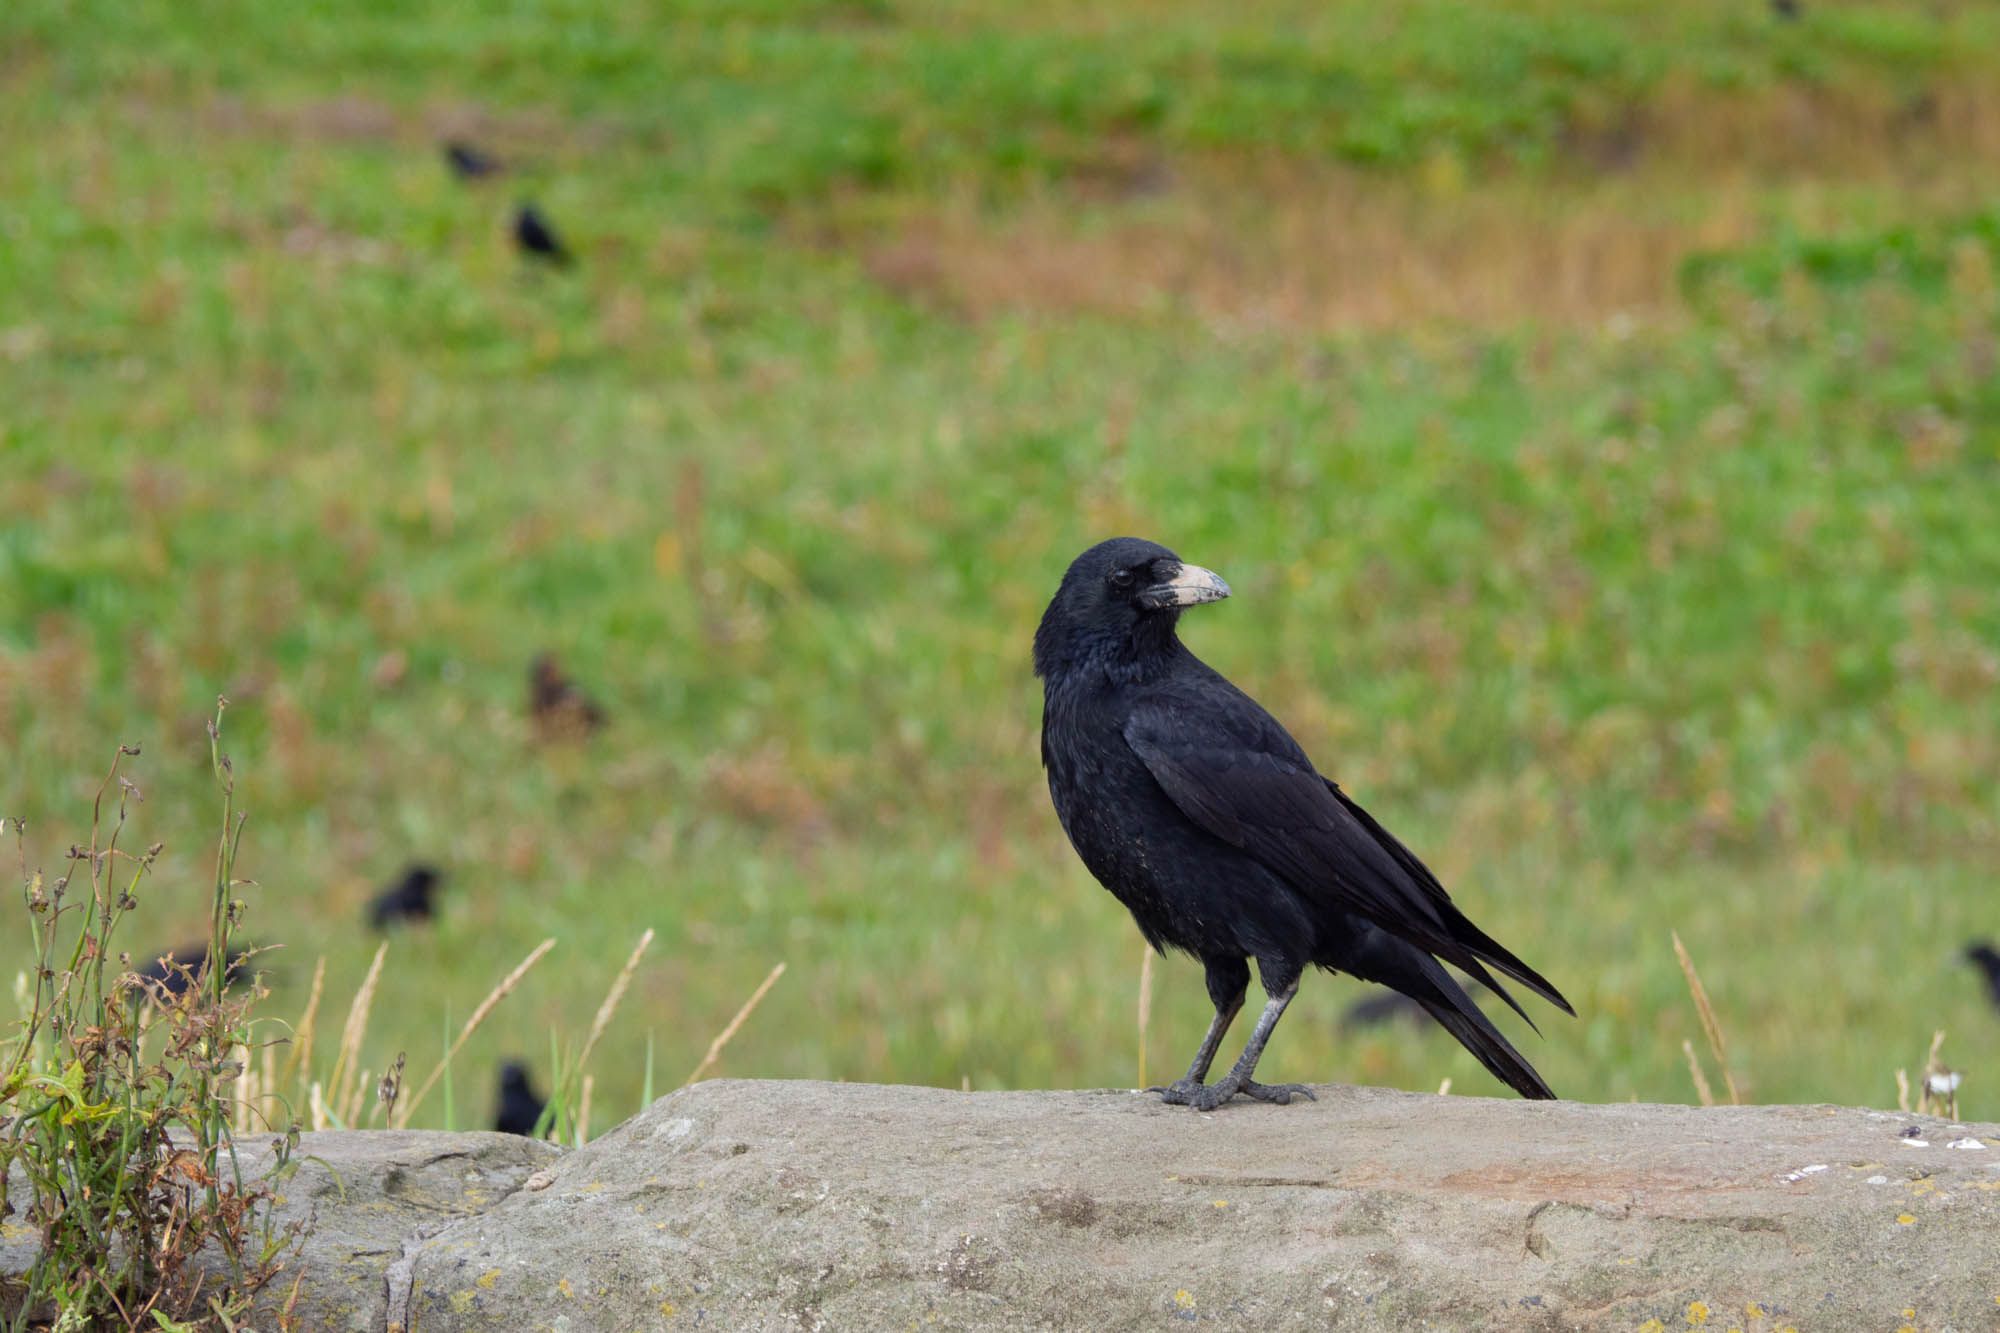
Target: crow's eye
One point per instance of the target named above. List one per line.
(1123, 579)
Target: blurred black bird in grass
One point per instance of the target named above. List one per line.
(518, 1108)
(1984, 956)
(411, 898)
(169, 975)
(468, 162)
(1201, 814)
(558, 706)
(537, 238)
(1380, 1009)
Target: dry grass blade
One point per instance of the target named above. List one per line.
(1902, 1090)
(299, 1060)
(722, 1040)
(1145, 1007)
(486, 1006)
(1701, 1088)
(1709, 1025)
(243, 1092)
(612, 997)
(352, 1032)
(583, 1112)
(350, 1110)
(1444, 1088)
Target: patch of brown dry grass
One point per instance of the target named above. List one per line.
(1277, 242)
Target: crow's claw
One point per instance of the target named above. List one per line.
(1186, 1092)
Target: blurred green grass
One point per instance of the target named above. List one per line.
(1681, 621)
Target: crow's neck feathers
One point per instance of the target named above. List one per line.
(1123, 655)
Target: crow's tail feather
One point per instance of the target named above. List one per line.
(1374, 955)
(1483, 946)
(1458, 1015)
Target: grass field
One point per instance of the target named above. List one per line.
(1592, 404)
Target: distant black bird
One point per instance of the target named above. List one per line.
(536, 237)
(518, 1108)
(1204, 817)
(469, 163)
(1787, 10)
(558, 706)
(1986, 958)
(165, 982)
(410, 898)
(1381, 1008)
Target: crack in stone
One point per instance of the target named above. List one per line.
(399, 1279)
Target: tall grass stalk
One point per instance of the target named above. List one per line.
(486, 1006)
(722, 1038)
(1145, 1006)
(1710, 1025)
(348, 1057)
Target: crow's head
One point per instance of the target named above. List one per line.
(514, 1078)
(1120, 596)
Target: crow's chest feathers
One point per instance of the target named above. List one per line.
(1107, 800)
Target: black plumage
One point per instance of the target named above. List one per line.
(165, 978)
(413, 897)
(1986, 958)
(536, 237)
(518, 1108)
(468, 162)
(1206, 819)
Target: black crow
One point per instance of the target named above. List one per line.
(1787, 10)
(410, 898)
(1986, 958)
(559, 707)
(1204, 817)
(518, 1108)
(536, 237)
(469, 163)
(168, 983)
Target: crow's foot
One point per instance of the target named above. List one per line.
(1181, 1092)
(1187, 1092)
(1278, 1094)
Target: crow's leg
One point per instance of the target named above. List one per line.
(1228, 978)
(1281, 982)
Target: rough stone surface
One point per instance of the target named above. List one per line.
(782, 1206)
(367, 1195)
(372, 1193)
(741, 1205)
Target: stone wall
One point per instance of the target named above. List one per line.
(766, 1205)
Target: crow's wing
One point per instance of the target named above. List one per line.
(1232, 769)
(1269, 801)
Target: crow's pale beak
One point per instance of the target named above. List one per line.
(1191, 585)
